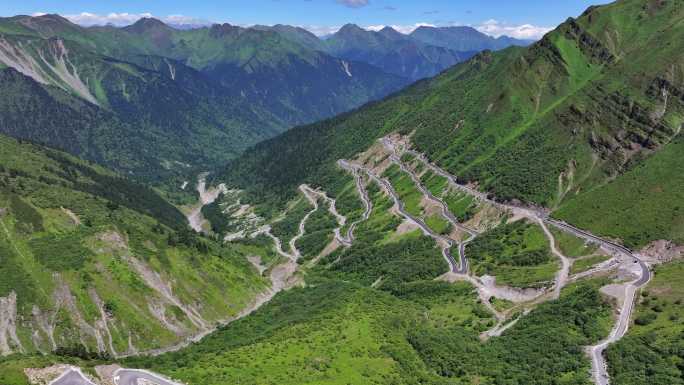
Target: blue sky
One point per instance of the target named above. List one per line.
(512, 17)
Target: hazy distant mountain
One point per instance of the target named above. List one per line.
(464, 39)
(392, 51)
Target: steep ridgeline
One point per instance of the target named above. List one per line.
(392, 51)
(249, 65)
(583, 121)
(93, 264)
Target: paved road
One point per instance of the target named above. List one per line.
(131, 377)
(73, 376)
(599, 367)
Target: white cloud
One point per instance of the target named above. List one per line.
(122, 19)
(525, 31)
(354, 3)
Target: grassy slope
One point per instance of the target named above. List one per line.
(318, 232)
(651, 353)
(572, 246)
(649, 195)
(426, 332)
(45, 248)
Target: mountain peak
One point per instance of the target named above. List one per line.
(48, 25)
(391, 33)
(146, 24)
(53, 17)
(350, 28)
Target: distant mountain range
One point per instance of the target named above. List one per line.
(154, 101)
(424, 53)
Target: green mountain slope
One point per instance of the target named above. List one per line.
(148, 123)
(544, 124)
(338, 333)
(94, 263)
(246, 61)
(378, 312)
(156, 102)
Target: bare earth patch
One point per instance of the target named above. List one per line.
(662, 251)
(43, 376)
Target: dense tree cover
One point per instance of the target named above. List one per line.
(316, 326)
(152, 129)
(118, 190)
(318, 232)
(652, 352)
(517, 253)
(321, 334)
(72, 229)
(411, 259)
(545, 346)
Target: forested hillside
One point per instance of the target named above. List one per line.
(95, 265)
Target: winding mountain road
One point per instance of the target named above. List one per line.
(332, 209)
(363, 194)
(446, 242)
(564, 272)
(445, 209)
(302, 224)
(451, 218)
(599, 366)
(206, 196)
